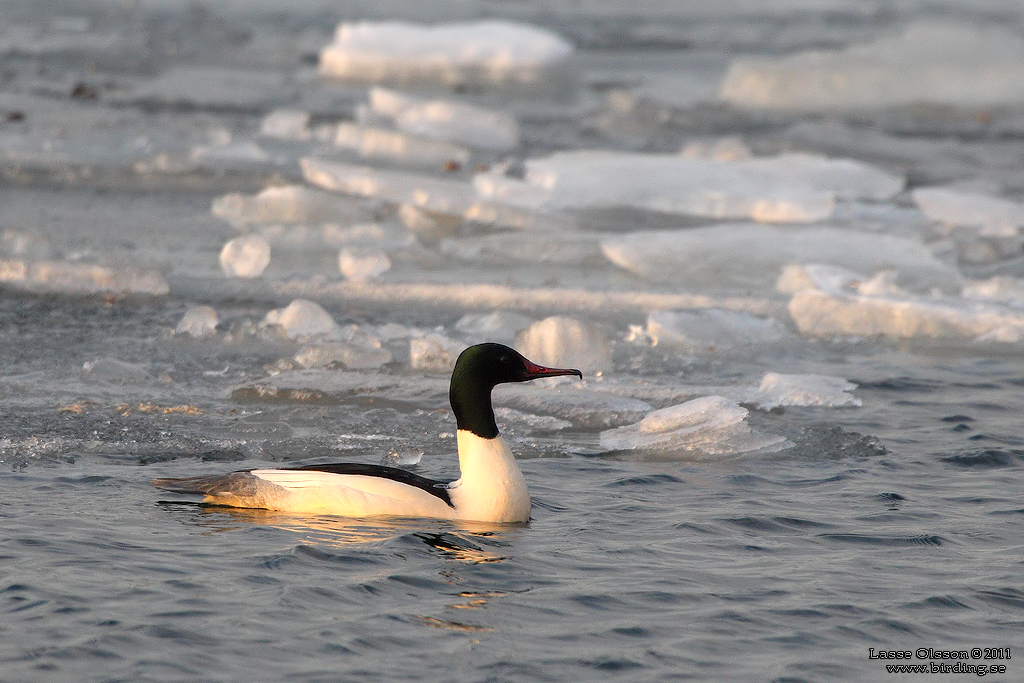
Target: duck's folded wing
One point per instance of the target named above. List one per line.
(314, 491)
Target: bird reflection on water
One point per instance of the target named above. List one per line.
(450, 539)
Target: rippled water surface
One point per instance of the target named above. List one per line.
(894, 524)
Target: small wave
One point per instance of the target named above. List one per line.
(895, 541)
(988, 458)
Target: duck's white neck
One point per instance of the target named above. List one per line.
(492, 487)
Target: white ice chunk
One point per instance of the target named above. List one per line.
(363, 265)
(790, 188)
(494, 53)
(381, 144)
(64, 277)
(302, 318)
(198, 322)
(496, 326)
(245, 257)
(465, 124)
(797, 277)
(426, 192)
(778, 390)
(828, 314)
(286, 124)
(937, 63)
(584, 408)
(751, 256)
(355, 356)
(953, 207)
(714, 330)
(712, 425)
(434, 353)
(288, 204)
(514, 420)
(565, 342)
(114, 371)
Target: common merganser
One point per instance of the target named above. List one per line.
(491, 488)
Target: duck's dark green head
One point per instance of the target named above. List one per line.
(478, 370)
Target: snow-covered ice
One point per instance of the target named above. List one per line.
(381, 144)
(434, 353)
(565, 342)
(286, 124)
(837, 314)
(198, 322)
(289, 204)
(75, 278)
(302, 318)
(708, 426)
(423, 191)
(930, 62)
(714, 331)
(245, 257)
(115, 371)
(356, 356)
(363, 264)
(499, 54)
(746, 255)
(790, 188)
(447, 120)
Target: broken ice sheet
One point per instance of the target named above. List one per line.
(715, 331)
(289, 204)
(496, 326)
(712, 426)
(398, 147)
(245, 257)
(65, 277)
(495, 54)
(302, 318)
(426, 192)
(216, 87)
(939, 63)
(790, 188)
(447, 120)
(953, 206)
(198, 322)
(583, 408)
(750, 256)
(837, 314)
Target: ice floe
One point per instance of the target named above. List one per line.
(838, 314)
(115, 371)
(372, 143)
(363, 264)
(707, 426)
(400, 187)
(358, 354)
(746, 255)
(302, 318)
(198, 322)
(286, 124)
(289, 204)
(566, 342)
(467, 54)
(70, 277)
(714, 331)
(447, 120)
(937, 63)
(434, 353)
(245, 257)
(790, 188)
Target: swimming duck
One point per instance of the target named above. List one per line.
(491, 489)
